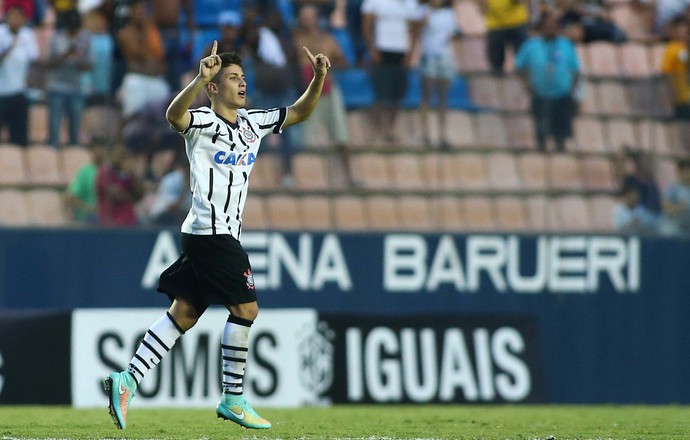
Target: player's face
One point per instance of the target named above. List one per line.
(232, 88)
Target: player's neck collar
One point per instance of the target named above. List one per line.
(231, 124)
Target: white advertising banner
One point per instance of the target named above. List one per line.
(281, 341)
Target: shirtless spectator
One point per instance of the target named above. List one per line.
(142, 48)
(166, 16)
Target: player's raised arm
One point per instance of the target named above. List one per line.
(305, 104)
(177, 113)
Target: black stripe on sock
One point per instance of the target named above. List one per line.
(233, 359)
(235, 375)
(232, 347)
(150, 347)
(154, 336)
(240, 321)
(141, 359)
(179, 329)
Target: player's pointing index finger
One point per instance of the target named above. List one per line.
(214, 48)
(311, 57)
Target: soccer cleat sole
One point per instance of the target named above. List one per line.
(235, 421)
(108, 386)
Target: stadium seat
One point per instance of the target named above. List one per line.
(490, 130)
(15, 211)
(601, 209)
(12, 165)
(540, 213)
(598, 174)
(283, 212)
(602, 59)
(432, 169)
(43, 165)
(657, 55)
(316, 212)
(470, 53)
(449, 215)
(350, 213)
(356, 87)
(416, 214)
(38, 121)
(564, 172)
(485, 91)
(458, 95)
(572, 213)
(462, 133)
(589, 135)
(467, 171)
(203, 38)
(310, 171)
(470, 17)
(358, 122)
(413, 96)
(514, 97)
(266, 174)
(72, 159)
(406, 172)
(372, 169)
(511, 214)
(478, 214)
(254, 216)
(46, 207)
(622, 133)
(666, 172)
(502, 172)
(613, 99)
(588, 97)
(520, 131)
(532, 167)
(637, 60)
(382, 212)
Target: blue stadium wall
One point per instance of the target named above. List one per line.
(482, 318)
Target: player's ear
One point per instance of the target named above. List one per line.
(212, 87)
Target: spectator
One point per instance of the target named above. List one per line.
(275, 79)
(390, 29)
(438, 63)
(102, 46)
(676, 202)
(641, 176)
(506, 24)
(173, 198)
(330, 111)
(18, 49)
(27, 7)
(231, 38)
(630, 216)
(68, 56)
(549, 67)
(64, 9)
(147, 132)
(666, 12)
(675, 66)
(81, 192)
(585, 22)
(166, 16)
(142, 46)
(117, 189)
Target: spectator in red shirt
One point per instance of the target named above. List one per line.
(117, 189)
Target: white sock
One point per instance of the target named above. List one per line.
(157, 342)
(234, 347)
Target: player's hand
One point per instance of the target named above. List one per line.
(320, 63)
(210, 66)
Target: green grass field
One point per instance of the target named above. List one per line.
(359, 422)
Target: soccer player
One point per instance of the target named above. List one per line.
(222, 143)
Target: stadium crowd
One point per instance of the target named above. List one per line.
(403, 69)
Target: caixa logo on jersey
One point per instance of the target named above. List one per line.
(435, 359)
(232, 158)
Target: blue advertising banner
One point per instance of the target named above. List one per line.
(609, 312)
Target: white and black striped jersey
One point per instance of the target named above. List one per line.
(221, 157)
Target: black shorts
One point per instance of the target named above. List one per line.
(213, 269)
(390, 78)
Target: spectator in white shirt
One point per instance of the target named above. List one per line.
(18, 49)
(630, 216)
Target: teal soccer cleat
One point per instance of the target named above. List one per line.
(120, 388)
(237, 409)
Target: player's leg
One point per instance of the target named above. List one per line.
(235, 348)
(157, 342)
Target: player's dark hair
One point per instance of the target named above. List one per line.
(226, 59)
